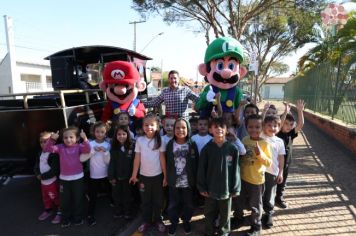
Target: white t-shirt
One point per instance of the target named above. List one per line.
(44, 167)
(166, 139)
(277, 148)
(201, 140)
(98, 166)
(150, 164)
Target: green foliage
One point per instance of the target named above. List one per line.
(331, 64)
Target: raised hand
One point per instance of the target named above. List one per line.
(300, 105)
(243, 102)
(55, 136)
(218, 97)
(213, 113)
(286, 107)
(266, 106)
(83, 136)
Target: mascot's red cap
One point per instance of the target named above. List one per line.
(120, 72)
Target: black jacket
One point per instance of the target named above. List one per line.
(121, 163)
(191, 165)
(53, 162)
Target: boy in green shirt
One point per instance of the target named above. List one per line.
(218, 177)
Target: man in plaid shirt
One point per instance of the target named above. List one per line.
(175, 97)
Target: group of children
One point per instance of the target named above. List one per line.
(202, 159)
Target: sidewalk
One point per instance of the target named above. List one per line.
(321, 191)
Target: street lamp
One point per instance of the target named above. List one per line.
(151, 41)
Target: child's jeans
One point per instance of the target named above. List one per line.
(214, 208)
(152, 197)
(250, 198)
(72, 199)
(122, 197)
(270, 193)
(180, 204)
(50, 195)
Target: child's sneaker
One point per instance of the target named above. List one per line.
(143, 227)
(91, 221)
(267, 221)
(57, 219)
(78, 222)
(187, 228)
(161, 227)
(253, 232)
(281, 203)
(172, 230)
(65, 223)
(44, 215)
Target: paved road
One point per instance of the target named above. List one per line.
(20, 205)
(321, 194)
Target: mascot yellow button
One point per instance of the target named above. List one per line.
(116, 111)
(229, 103)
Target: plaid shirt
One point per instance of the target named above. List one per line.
(176, 101)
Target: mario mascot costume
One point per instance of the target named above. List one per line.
(121, 84)
(222, 70)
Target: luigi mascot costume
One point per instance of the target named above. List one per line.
(222, 70)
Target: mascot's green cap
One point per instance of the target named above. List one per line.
(225, 46)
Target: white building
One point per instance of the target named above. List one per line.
(273, 88)
(31, 77)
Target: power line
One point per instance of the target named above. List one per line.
(30, 48)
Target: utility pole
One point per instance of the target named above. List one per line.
(134, 23)
(14, 85)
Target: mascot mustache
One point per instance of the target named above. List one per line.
(217, 77)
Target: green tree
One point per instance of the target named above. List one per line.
(338, 52)
(275, 34)
(281, 25)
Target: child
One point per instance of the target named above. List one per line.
(203, 136)
(138, 128)
(253, 167)
(71, 173)
(218, 178)
(288, 132)
(182, 156)
(269, 110)
(99, 160)
(47, 170)
(168, 123)
(193, 122)
(150, 159)
(123, 119)
(274, 173)
(120, 169)
(248, 110)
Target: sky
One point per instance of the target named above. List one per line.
(43, 27)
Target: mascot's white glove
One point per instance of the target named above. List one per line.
(132, 110)
(210, 96)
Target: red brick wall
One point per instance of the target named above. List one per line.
(346, 136)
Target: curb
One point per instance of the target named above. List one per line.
(132, 227)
